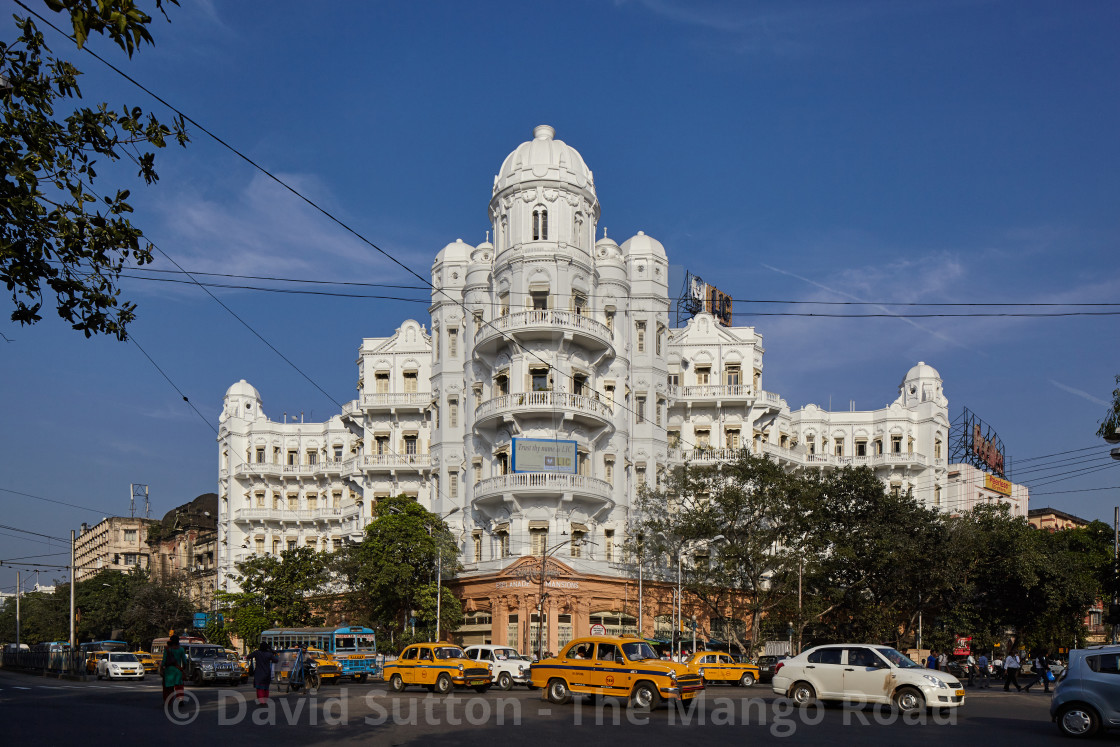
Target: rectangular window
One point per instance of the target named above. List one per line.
(130, 535)
(477, 471)
(503, 303)
(503, 543)
(733, 375)
(293, 457)
(260, 455)
(380, 445)
(937, 449)
(538, 300)
(338, 453)
(336, 499)
(641, 337)
(732, 438)
(640, 473)
(259, 545)
(878, 447)
(130, 558)
(275, 546)
(937, 496)
(410, 380)
(260, 500)
(838, 447)
(539, 379)
(435, 345)
(501, 384)
(453, 342)
(608, 393)
(277, 502)
(477, 396)
(477, 322)
(640, 409)
(579, 302)
(453, 412)
(657, 411)
(576, 545)
(453, 484)
(336, 543)
(896, 444)
(660, 333)
(582, 463)
(608, 470)
(579, 383)
(674, 379)
(703, 375)
(703, 439)
(674, 439)
(410, 443)
(312, 501)
(861, 448)
(293, 502)
(608, 545)
(476, 540)
(381, 382)
(312, 456)
(538, 539)
(608, 318)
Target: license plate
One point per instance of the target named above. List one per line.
(359, 656)
(473, 683)
(687, 696)
(959, 693)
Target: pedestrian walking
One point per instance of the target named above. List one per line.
(970, 664)
(171, 667)
(985, 676)
(1040, 667)
(1011, 672)
(261, 662)
(931, 661)
(942, 662)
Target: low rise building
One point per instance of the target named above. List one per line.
(184, 547)
(116, 543)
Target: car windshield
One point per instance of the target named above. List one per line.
(449, 652)
(898, 659)
(206, 653)
(502, 654)
(638, 651)
(122, 657)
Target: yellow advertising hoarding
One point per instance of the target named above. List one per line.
(998, 485)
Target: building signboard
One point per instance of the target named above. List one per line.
(975, 442)
(544, 455)
(997, 484)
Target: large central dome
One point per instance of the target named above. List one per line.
(544, 159)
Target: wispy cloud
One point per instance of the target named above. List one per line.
(1079, 393)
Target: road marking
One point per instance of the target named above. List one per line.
(21, 688)
(544, 711)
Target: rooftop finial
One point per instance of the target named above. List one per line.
(544, 132)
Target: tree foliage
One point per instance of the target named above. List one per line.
(838, 557)
(392, 571)
(1110, 423)
(59, 235)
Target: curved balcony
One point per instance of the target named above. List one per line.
(285, 516)
(262, 469)
(589, 410)
(545, 324)
(541, 484)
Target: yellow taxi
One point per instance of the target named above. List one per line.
(242, 669)
(437, 666)
(146, 661)
(93, 659)
(622, 666)
(713, 666)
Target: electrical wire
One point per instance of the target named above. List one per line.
(61, 503)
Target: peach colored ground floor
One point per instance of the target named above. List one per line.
(504, 607)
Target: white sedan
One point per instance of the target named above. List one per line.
(120, 666)
(865, 673)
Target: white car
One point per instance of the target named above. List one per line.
(865, 673)
(120, 666)
(505, 664)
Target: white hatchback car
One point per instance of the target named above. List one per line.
(865, 673)
(120, 666)
(505, 664)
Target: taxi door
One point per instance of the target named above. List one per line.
(611, 675)
(406, 666)
(426, 671)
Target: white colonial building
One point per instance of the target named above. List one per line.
(545, 336)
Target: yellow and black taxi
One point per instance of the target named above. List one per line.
(437, 666)
(717, 667)
(621, 666)
(146, 661)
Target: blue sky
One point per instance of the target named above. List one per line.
(937, 152)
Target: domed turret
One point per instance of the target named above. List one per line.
(456, 251)
(922, 383)
(642, 244)
(544, 158)
(242, 400)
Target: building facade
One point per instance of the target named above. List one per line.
(555, 340)
(184, 548)
(117, 543)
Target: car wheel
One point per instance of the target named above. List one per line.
(443, 683)
(505, 682)
(645, 696)
(396, 684)
(1079, 721)
(747, 679)
(909, 700)
(558, 692)
(802, 694)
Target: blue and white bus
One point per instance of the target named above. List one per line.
(353, 647)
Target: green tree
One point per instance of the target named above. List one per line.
(285, 587)
(387, 572)
(740, 533)
(58, 234)
(157, 607)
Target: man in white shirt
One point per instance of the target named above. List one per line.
(1011, 672)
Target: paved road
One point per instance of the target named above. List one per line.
(36, 710)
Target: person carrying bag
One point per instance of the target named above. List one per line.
(171, 668)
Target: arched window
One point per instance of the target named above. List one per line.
(540, 224)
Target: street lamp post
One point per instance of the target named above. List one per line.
(439, 574)
(541, 595)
